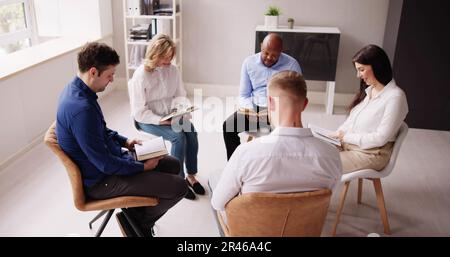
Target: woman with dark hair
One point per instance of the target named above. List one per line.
(376, 113)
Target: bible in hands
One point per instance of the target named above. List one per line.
(150, 149)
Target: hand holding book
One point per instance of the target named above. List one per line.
(131, 143)
(150, 149)
(178, 112)
(326, 135)
(251, 112)
(339, 135)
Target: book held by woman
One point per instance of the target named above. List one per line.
(324, 134)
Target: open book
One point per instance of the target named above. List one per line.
(251, 112)
(324, 134)
(150, 149)
(178, 112)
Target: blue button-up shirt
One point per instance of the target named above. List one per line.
(82, 134)
(255, 75)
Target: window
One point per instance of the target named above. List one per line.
(16, 26)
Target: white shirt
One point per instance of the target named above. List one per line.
(287, 160)
(376, 121)
(154, 94)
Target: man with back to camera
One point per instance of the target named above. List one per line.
(255, 73)
(107, 170)
(287, 160)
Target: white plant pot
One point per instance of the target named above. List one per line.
(271, 21)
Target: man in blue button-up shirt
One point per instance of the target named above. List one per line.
(256, 71)
(108, 170)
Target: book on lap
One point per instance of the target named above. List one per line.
(252, 112)
(179, 112)
(150, 149)
(324, 134)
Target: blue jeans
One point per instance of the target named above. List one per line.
(184, 143)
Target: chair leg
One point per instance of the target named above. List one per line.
(340, 207)
(381, 205)
(105, 221)
(360, 185)
(96, 218)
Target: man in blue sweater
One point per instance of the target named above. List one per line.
(107, 169)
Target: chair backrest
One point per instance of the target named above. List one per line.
(76, 181)
(278, 214)
(396, 149)
(72, 169)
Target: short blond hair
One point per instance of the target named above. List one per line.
(291, 83)
(161, 46)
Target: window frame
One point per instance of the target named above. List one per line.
(29, 32)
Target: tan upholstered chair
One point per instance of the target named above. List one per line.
(375, 176)
(81, 202)
(276, 214)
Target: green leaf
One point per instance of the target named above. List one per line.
(273, 11)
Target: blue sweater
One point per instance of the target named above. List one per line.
(84, 137)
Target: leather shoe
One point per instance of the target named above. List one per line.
(198, 188)
(190, 195)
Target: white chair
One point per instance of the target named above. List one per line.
(375, 176)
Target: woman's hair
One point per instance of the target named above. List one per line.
(161, 46)
(377, 58)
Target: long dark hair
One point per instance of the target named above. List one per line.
(376, 57)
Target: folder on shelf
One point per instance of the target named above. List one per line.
(147, 7)
(133, 7)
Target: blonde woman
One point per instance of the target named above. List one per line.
(156, 88)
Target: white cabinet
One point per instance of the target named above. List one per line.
(166, 18)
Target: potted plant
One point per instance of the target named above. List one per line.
(290, 23)
(271, 17)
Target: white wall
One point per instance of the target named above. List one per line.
(118, 37)
(219, 34)
(62, 18)
(47, 17)
(28, 98)
(28, 102)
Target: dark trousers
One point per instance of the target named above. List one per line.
(163, 183)
(238, 123)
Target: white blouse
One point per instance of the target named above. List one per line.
(376, 121)
(154, 94)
